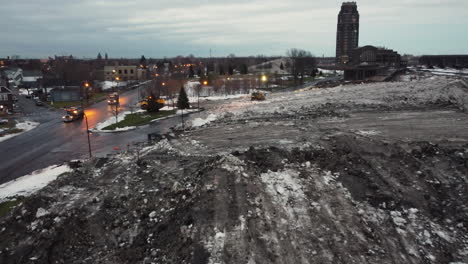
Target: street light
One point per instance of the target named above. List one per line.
(264, 80)
(117, 78)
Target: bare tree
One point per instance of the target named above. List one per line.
(301, 61)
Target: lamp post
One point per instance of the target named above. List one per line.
(87, 132)
(117, 78)
(86, 93)
(264, 80)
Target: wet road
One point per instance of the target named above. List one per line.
(55, 142)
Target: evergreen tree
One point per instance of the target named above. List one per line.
(282, 66)
(221, 70)
(99, 57)
(106, 57)
(143, 60)
(182, 100)
(191, 72)
(231, 70)
(313, 74)
(199, 72)
(245, 69)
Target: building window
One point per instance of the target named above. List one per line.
(3, 97)
(120, 71)
(125, 71)
(131, 71)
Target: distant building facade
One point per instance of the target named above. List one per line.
(374, 55)
(66, 94)
(6, 99)
(369, 61)
(347, 35)
(453, 61)
(32, 79)
(125, 73)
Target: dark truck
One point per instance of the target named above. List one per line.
(113, 99)
(73, 113)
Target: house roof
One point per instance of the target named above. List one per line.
(3, 89)
(32, 74)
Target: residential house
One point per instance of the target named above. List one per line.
(32, 79)
(124, 73)
(14, 75)
(6, 99)
(65, 94)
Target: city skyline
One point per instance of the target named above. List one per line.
(169, 28)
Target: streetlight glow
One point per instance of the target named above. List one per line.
(264, 78)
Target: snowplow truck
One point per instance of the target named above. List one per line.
(72, 114)
(258, 96)
(113, 99)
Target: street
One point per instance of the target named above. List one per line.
(55, 142)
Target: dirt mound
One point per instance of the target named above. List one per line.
(348, 200)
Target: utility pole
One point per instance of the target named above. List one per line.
(87, 132)
(198, 94)
(116, 112)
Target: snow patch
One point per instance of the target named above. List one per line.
(25, 126)
(198, 122)
(31, 183)
(367, 132)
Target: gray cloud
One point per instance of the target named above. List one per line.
(167, 28)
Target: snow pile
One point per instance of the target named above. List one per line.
(324, 71)
(31, 183)
(198, 122)
(436, 90)
(25, 126)
(167, 108)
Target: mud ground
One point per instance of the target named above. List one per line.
(327, 184)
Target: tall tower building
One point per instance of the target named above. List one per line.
(347, 35)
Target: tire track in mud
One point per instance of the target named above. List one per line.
(349, 200)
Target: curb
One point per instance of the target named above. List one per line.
(94, 130)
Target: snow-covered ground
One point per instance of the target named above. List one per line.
(24, 125)
(444, 72)
(29, 184)
(437, 89)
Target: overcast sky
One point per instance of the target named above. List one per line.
(158, 28)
